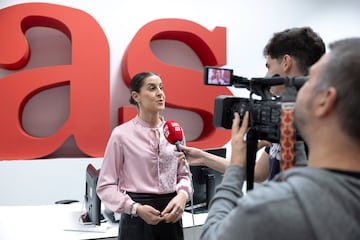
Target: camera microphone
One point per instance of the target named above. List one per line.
(296, 82)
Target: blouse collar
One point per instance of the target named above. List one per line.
(138, 120)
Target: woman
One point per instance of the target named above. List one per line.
(141, 177)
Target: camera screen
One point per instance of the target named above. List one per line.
(218, 76)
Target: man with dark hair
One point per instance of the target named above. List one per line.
(288, 53)
(303, 44)
(320, 201)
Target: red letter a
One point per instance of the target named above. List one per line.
(87, 76)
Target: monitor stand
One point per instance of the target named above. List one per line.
(210, 192)
(198, 208)
(85, 219)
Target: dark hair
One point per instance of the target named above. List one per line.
(342, 71)
(137, 82)
(303, 44)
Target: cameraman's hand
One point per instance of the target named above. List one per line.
(238, 143)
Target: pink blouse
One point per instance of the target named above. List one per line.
(137, 160)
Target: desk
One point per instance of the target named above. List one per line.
(61, 221)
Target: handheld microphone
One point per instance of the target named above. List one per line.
(173, 133)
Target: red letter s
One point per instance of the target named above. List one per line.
(210, 46)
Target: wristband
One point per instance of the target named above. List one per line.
(134, 207)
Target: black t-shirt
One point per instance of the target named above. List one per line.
(274, 159)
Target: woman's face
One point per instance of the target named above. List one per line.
(151, 97)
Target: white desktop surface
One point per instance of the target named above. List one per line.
(61, 221)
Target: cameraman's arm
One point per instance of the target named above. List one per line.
(262, 168)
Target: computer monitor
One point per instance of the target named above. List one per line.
(92, 201)
(204, 180)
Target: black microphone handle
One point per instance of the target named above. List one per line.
(177, 143)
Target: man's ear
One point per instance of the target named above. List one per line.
(325, 102)
(287, 63)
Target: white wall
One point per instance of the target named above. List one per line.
(249, 25)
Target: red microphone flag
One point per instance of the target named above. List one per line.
(173, 132)
(174, 135)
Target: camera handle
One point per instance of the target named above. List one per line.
(251, 150)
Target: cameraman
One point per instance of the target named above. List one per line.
(320, 201)
(288, 53)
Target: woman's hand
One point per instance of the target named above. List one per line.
(175, 208)
(149, 214)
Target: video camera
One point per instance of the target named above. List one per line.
(264, 113)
